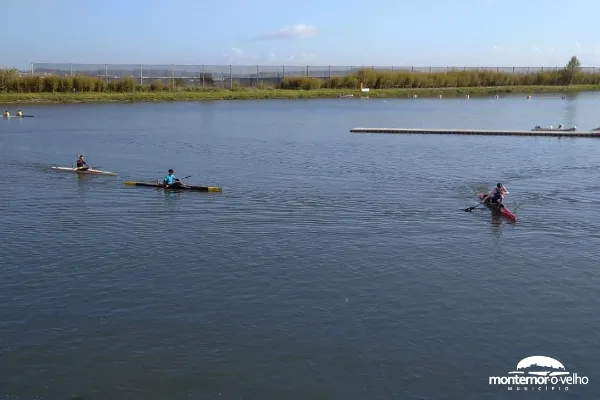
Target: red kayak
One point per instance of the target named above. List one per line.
(494, 207)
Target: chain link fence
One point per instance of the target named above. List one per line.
(228, 76)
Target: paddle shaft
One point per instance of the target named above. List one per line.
(88, 165)
(472, 208)
(185, 177)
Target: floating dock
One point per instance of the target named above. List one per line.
(480, 132)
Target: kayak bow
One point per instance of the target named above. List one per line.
(89, 171)
(494, 207)
(196, 188)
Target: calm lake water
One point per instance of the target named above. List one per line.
(333, 265)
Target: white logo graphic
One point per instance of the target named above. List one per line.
(539, 373)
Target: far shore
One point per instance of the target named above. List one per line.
(258, 94)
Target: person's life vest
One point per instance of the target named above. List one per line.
(497, 192)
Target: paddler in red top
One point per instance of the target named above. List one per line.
(497, 194)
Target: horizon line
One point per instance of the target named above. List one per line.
(303, 65)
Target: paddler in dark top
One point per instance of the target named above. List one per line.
(81, 164)
(497, 195)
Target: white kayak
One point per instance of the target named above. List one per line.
(90, 171)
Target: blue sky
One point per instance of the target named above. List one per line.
(279, 32)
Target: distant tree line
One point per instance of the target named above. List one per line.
(13, 82)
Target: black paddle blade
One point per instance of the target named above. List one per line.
(472, 208)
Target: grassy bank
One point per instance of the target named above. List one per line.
(255, 94)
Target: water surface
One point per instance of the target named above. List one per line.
(333, 265)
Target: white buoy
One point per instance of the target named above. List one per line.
(439, 96)
(467, 97)
(414, 96)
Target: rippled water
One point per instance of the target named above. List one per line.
(333, 265)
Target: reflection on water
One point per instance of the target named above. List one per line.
(171, 199)
(207, 117)
(570, 110)
(497, 223)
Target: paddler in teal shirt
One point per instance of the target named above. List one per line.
(171, 180)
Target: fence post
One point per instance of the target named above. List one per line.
(329, 73)
(172, 76)
(203, 76)
(32, 68)
(307, 71)
(141, 74)
(71, 67)
(230, 78)
(106, 73)
(257, 76)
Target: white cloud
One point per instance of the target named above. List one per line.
(240, 57)
(291, 32)
(236, 55)
(504, 50)
(303, 58)
(272, 57)
(235, 52)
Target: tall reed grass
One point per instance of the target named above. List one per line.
(12, 82)
(390, 80)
